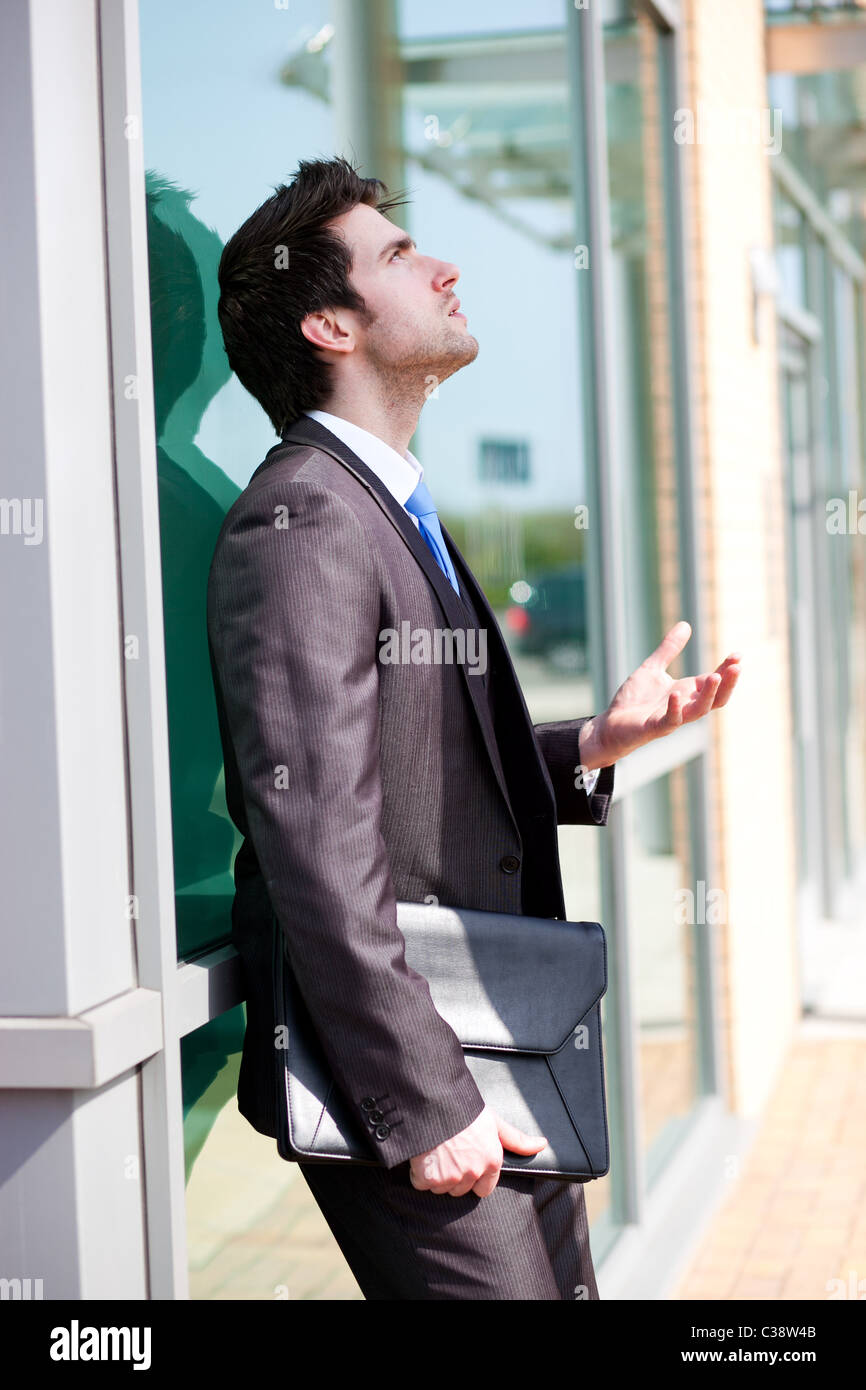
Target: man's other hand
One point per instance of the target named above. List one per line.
(471, 1160)
(651, 704)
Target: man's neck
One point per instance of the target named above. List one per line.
(394, 422)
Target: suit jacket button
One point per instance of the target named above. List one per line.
(382, 1131)
(368, 1103)
(509, 863)
(374, 1116)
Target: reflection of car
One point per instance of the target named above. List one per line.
(547, 618)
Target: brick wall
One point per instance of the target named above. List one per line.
(740, 477)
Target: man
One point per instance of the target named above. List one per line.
(359, 782)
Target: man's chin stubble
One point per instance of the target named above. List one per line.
(464, 351)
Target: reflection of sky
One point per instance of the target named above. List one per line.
(519, 302)
(420, 19)
(216, 121)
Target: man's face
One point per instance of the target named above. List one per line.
(414, 329)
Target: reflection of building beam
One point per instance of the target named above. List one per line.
(840, 154)
(801, 48)
(471, 190)
(794, 186)
(465, 82)
(507, 58)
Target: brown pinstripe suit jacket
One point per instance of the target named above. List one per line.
(357, 782)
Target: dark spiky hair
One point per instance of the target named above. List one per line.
(283, 263)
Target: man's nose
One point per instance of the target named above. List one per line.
(447, 275)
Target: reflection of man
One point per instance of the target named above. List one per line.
(358, 783)
(188, 372)
(193, 496)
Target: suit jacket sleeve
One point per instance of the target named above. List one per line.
(295, 616)
(559, 744)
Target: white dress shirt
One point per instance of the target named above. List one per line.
(400, 473)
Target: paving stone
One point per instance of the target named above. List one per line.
(796, 1216)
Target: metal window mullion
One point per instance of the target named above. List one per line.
(821, 357)
(691, 527)
(605, 577)
(141, 589)
(836, 625)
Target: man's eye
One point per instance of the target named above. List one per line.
(398, 252)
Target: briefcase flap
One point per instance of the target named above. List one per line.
(479, 966)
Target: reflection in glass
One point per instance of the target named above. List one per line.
(208, 167)
(639, 144)
(824, 121)
(789, 232)
(207, 170)
(228, 112)
(670, 909)
(488, 131)
(188, 370)
(253, 1228)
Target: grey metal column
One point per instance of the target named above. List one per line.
(75, 1025)
(141, 596)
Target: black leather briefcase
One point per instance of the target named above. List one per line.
(522, 994)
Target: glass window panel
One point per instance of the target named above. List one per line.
(641, 201)
(670, 908)
(843, 544)
(640, 150)
(487, 133)
(835, 463)
(824, 121)
(490, 183)
(419, 19)
(832, 563)
(221, 126)
(253, 1228)
(797, 437)
(852, 579)
(789, 250)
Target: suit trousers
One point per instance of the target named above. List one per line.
(529, 1239)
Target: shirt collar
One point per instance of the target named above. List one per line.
(401, 475)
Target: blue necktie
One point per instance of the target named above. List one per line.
(420, 504)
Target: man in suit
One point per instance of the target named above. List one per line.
(356, 781)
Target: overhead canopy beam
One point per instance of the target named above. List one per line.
(803, 48)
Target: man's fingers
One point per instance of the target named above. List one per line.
(481, 1174)
(730, 673)
(702, 701)
(466, 1186)
(670, 646)
(485, 1185)
(672, 717)
(514, 1139)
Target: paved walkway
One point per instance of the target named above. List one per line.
(795, 1221)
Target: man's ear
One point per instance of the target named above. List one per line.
(326, 330)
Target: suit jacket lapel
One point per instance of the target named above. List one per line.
(308, 431)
